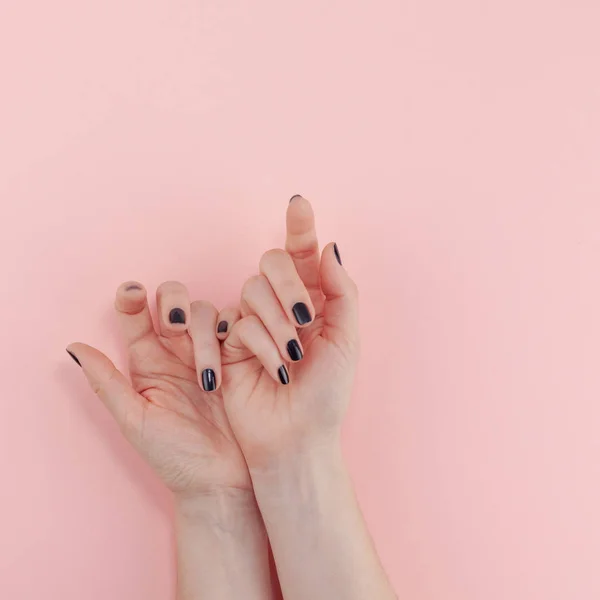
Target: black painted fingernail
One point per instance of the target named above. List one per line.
(222, 327)
(294, 350)
(295, 196)
(301, 313)
(73, 357)
(283, 375)
(337, 253)
(177, 316)
(209, 381)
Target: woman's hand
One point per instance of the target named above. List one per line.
(288, 367)
(172, 411)
(288, 364)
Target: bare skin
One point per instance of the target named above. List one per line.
(290, 431)
(184, 434)
(266, 449)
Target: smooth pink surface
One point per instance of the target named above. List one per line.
(452, 149)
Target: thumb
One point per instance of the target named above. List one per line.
(341, 298)
(111, 386)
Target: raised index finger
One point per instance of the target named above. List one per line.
(303, 246)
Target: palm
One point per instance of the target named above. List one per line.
(267, 416)
(182, 430)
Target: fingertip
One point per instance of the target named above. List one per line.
(173, 308)
(303, 313)
(71, 351)
(79, 351)
(283, 375)
(203, 307)
(336, 252)
(332, 255)
(95, 364)
(300, 216)
(132, 286)
(226, 319)
(335, 280)
(177, 316)
(130, 297)
(210, 382)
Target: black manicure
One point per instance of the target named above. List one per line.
(209, 381)
(301, 313)
(222, 327)
(337, 253)
(283, 375)
(295, 196)
(74, 357)
(294, 350)
(177, 316)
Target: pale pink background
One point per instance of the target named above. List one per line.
(452, 149)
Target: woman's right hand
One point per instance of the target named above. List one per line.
(288, 364)
(288, 367)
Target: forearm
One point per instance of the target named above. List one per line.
(319, 538)
(222, 548)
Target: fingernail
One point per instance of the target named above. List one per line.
(301, 313)
(337, 253)
(295, 196)
(133, 286)
(294, 350)
(177, 316)
(73, 357)
(222, 327)
(209, 381)
(283, 375)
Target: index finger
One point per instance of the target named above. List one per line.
(302, 245)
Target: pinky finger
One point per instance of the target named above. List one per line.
(228, 317)
(249, 337)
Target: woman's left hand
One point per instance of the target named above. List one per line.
(172, 411)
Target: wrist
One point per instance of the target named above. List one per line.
(306, 476)
(222, 546)
(221, 505)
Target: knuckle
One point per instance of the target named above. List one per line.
(230, 311)
(199, 306)
(308, 250)
(271, 258)
(245, 328)
(251, 322)
(170, 286)
(245, 324)
(254, 283)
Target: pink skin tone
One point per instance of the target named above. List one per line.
(290, 434)
(184, 434)
(262, 452)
